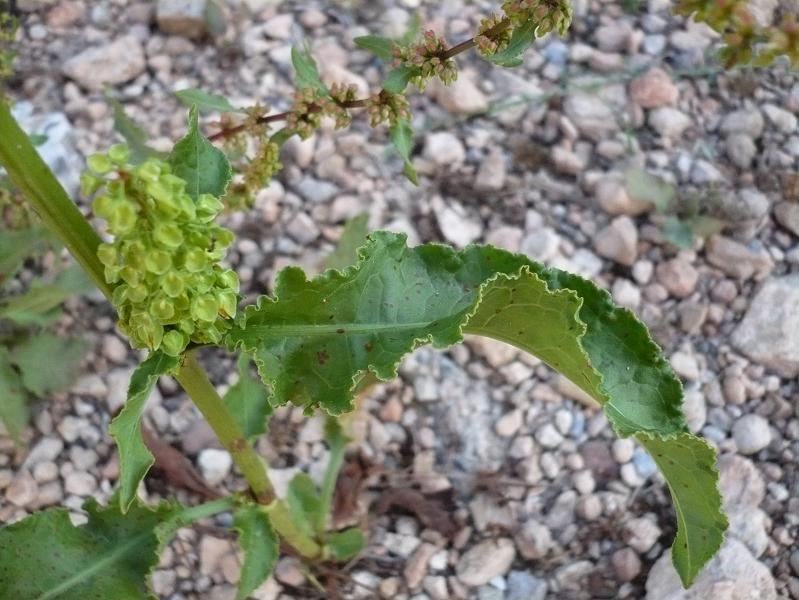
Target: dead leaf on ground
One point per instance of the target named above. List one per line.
(430, 512)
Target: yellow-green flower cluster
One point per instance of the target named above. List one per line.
(428, 56)
(385, 107)
(169, 289)
(547, 15)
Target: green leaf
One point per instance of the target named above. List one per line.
(305, 506)
(135, 137)
(37, 139)
(35, 307)
(678, 233)
(398, 78)
(18, 246)
(413, 31)
(689, 466)
(352, 238)
(260, 545)
(337, 442)
(520, 40)
(214, 17)
(343, 545)
(316, 340)
(645, 187)
(206, 102)
(14, 411)
(401, 134)
(134, 457)
(45, 557)
(248, 401)
(61, 357)
(306, 69)
(376, 44)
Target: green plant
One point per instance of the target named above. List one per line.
(25, 339)
(316, 342)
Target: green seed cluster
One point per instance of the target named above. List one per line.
(262, 167)
(746, 41)
(427, 56)
(169, 288)
(311, 105)
(385, 107)
(549, 15)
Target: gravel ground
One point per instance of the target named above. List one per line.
(543, 500)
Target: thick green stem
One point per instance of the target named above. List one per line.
(202, 392)
(59, 214)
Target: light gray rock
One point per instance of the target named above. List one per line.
(751, 434)
(592, 117)
(741, 149)
(492, 172)
(641, 533)
(462, 97)
(614, 199)
(736, 260)
(785, 121)
(733, 574)
(678, 276)
(484, 561)
(525, 586)
(534, 540)
(654, 89)
(456, 225)
(787, 215)
(669, 122)
(444, 149)
(109, 64)
(618, 241)
(743, 489)
(182, 17)
(215, 465)
(769, 332)
(747, 121)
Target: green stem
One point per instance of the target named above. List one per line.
(197, 385)
(60, 215)
(34, 178)
(337, 443)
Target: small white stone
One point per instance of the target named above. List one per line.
(751, 434)
(215, 465)
(509, 423)
(80, 483)
(548, 436)
(486, 560)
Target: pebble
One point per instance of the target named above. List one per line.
(669, 122)
(678, 276)
(613, 198)
(181, 17)
(23, 490)
(534, 540)
(215, 465)
(525, 586)
(626, 564)
(462, 97)
(444, 149)
(618, 241)
(110, 64)
(80, 483)
(654, 89)
(484, 561)
(751, 434)
(548, 436)
(641, 534)
(736, 260)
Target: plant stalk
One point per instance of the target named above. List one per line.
(61, 216)
(194, 380)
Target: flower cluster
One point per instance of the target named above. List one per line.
(746, 41)
(169, 288)
(548, 15)
(311, 105)
(385, 107)
(492, 35)
(428, 57)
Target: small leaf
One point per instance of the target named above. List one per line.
(35, 307)
(37, 139)
(401, 134)
(352, 238)
(413, 31)
(134, 457)
(343, 545)
(248, 401)
(18, 246)
(135, 137)
(398, 78)
(521, 39)
(202, 165)
(14, 411)
(305, 506)
(45, 556)
(281, 136)
(206, 102)
(645, 187)
(61, 357)
(260, 545)
(306, 69)
(678, 233)
(214, 16)
(376, 44)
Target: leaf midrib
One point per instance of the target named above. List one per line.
(113, 557)
(327, 328)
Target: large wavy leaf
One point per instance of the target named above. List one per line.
(45, 557)
(316, 340)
